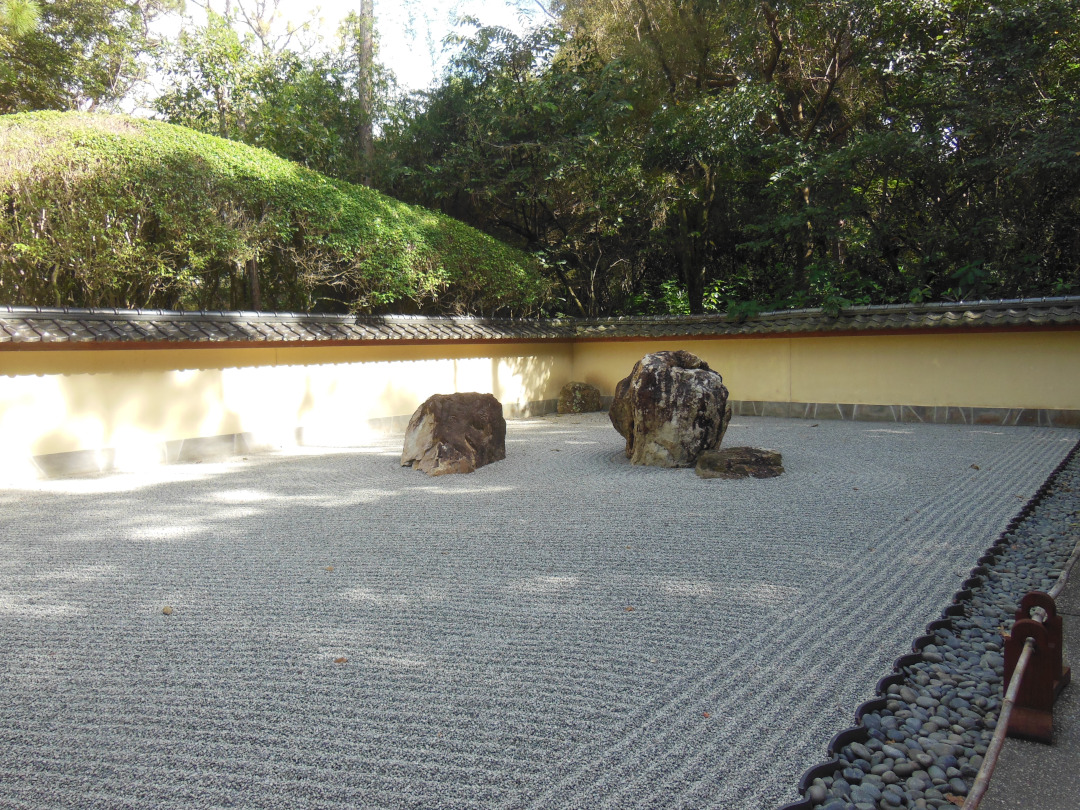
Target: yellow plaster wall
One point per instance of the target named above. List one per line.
(989, 370)
(755, 369)
(63, 401)
(132, 400)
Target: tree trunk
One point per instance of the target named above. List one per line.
(364, 83)
(219, 102)
(688, 252)
(253, 282)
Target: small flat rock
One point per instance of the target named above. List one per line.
(739, 462)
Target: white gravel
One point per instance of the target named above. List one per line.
(493, 658)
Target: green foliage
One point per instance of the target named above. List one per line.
(73, 54)
(303, 107)
(114, 211)
(212, 74)
(521, 144)
(654, 155)
(748, 154)
(18, 17)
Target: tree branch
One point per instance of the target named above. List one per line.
(777, 43)
(837, 64)
(658, 48)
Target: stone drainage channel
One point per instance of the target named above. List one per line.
(920, 744)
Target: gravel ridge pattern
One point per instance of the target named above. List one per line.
(559, 629)
(924, 747)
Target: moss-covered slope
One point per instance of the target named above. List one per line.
(102, 210)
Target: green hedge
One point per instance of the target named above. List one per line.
(103, 210)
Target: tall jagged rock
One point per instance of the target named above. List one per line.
(670, 409)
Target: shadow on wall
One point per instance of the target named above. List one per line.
(399, 403)
(522, 384)
(345, 403)
(525, 380)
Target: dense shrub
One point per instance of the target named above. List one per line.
(104, 210)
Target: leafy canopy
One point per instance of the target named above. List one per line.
(680, 155)
(654, 155)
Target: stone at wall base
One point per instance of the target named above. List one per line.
(579, 397)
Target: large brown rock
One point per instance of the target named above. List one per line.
(579, 397)
(455, 433)
(739, 462)
(670, 410)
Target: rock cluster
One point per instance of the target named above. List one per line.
(455, 433)
(670, 409)
(579, 397)
(926, 745)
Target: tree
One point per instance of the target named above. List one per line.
(511, 143)
(80, 54)
(315, 107)
(214, 76)
(691, 155)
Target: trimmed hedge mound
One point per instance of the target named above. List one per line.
(113, 211)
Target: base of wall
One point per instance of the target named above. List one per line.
(219, 448)
(180, 451)
(1019, 417)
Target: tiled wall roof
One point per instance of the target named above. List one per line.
(37, 325)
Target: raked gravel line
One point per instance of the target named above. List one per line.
(493, 659)
(922, 744)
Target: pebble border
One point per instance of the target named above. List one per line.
(920, 743)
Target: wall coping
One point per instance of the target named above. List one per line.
(66, 328)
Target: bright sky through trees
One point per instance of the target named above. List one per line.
(410, 32)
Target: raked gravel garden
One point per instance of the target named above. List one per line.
(558, 629)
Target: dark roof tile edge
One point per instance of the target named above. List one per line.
(217, 326)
